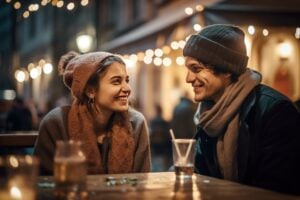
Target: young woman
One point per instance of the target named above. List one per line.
(115, 137)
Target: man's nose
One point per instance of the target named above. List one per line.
(190, 77)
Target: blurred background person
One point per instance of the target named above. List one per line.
(160, 141)
(19, 117)
(182, 119)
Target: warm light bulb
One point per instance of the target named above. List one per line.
(47, 68)
(84, 43)
(284, 49)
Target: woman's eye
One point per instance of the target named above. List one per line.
(116, 82)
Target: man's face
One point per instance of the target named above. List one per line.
(206, 84)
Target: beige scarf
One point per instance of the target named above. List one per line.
(222, 121)
(121, 151)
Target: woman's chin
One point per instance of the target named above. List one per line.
(122, 108)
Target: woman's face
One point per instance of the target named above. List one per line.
(114, 90)
(206, 84)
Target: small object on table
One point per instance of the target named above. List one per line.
(112, 181)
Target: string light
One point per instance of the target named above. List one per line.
(188, 10)
(180, 60)
(84, 2)
(60, 4)
(181, 44)
(197, 27)
(48, 68)
(251, 29)
(149, 52)
(20, 76)
(26, 14)
(174, 45)
(156, 56)
(70, 6)
(297, 33)
(17, 5)
(157, 61)
(158, 52)
(162, 55)
(167, 61)
(147, 59)
(200, 8)
(265, 32)
(33, 71)
(36, 6)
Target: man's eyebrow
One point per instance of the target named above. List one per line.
(195, 65)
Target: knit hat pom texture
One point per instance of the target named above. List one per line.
(78, 68)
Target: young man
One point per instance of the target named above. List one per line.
(246, 132)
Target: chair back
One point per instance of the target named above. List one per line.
(18, 139)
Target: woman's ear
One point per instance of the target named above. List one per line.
(90, 92)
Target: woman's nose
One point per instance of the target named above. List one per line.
(126, 87)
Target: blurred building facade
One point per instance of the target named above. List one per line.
(149, 35)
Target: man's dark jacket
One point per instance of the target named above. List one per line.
(268, 152)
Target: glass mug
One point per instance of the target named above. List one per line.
(70, 170)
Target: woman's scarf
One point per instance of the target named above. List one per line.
(222, 120)
(122, 145)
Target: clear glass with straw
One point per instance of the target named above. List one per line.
(183, 156)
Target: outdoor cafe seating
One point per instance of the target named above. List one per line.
(153, 185)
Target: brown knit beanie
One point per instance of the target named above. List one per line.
(219, 45)
(77, 69)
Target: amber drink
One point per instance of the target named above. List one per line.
(70, 170)
(187, 170)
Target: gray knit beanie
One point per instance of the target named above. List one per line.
(219, 45)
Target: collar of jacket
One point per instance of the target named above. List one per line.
(244, 136)
(248, 104)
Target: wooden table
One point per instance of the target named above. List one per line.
(165, 186)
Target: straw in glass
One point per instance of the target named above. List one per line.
(188, 152)
(175, 143)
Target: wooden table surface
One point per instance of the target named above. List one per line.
(163, 185)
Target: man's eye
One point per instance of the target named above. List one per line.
(196, 69)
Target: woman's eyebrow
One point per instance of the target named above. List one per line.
(119, 77)
(115, 77)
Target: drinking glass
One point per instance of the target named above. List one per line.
(183, 157)
(70, 171)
